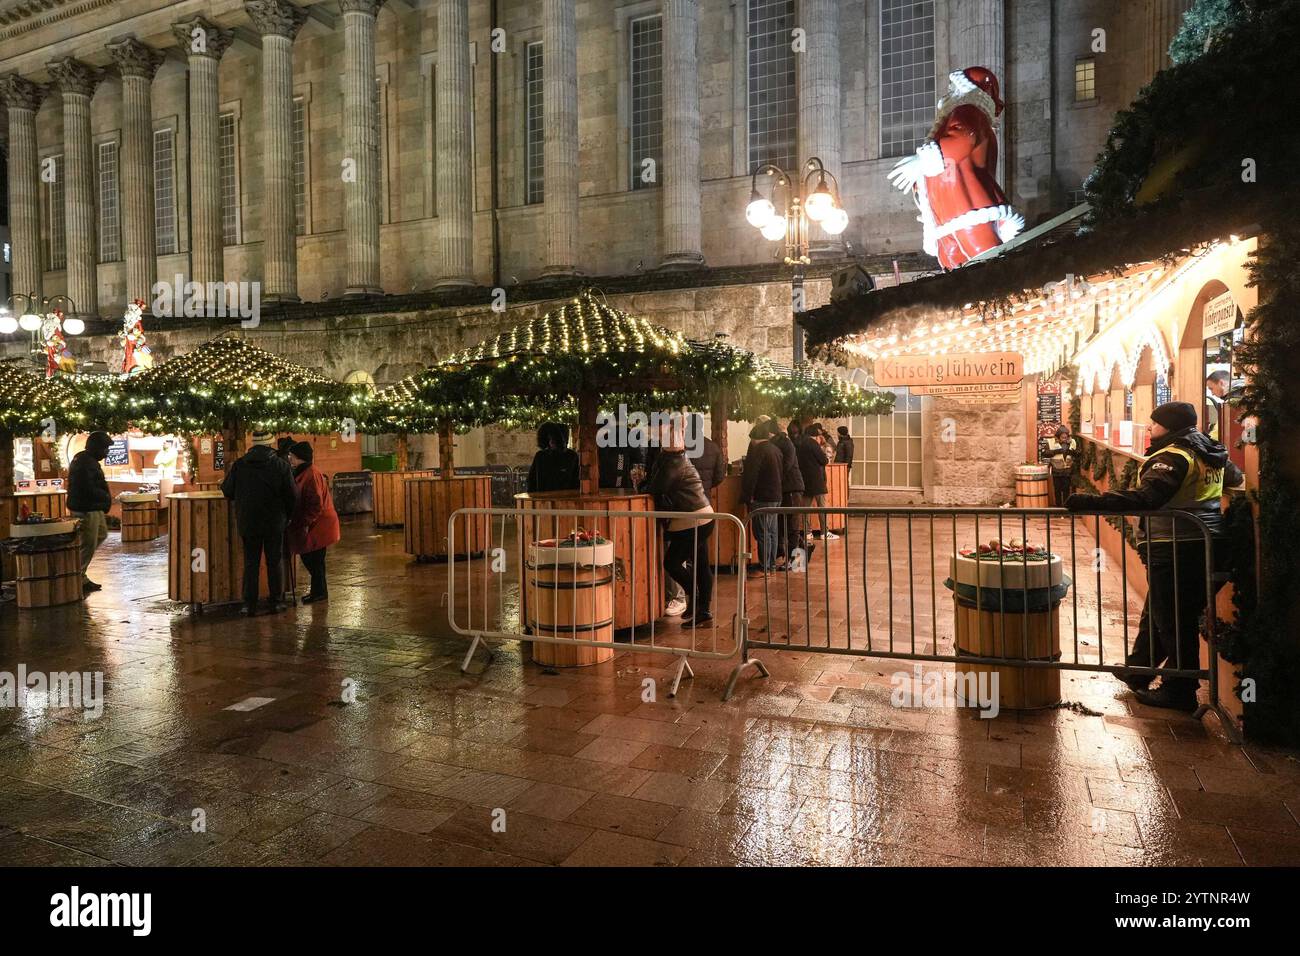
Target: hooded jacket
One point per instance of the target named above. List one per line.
(676, 486)
(791, 476)
(87, 488)
(262, 487)
(1161, 478)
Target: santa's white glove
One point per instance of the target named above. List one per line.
(906, 173)
(931, 157)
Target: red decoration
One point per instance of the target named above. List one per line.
(951, 176)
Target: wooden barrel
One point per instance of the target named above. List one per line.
(638, 549)
(139, 520)
(430, 503)
(837, 496)
(1032, 486)
(390, 496)
(573, 603)
(48, 578)
(1032, 636)
(52, 504)
(725, 499)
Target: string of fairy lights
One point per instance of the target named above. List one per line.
(535, 371)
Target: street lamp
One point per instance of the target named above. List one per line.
(805, 202)
(31, 319)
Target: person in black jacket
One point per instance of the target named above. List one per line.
(793, 529)
(761, 488)
(555, 466)
(1185, 473)
(262, 487)
(843, 446)
(89, 499)
(709, 463)
(812, 465)
(676, 486)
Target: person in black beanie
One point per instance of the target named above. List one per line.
(1184, 474)
(89, 499)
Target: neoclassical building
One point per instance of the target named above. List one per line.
(378, 167)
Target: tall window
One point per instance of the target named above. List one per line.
(1085, 79)
(381, 148)
(534, 131)
(164, 190)
(906, 74)
(58, 224)
(887, 448)
(647, 99)
(110, 226)
(772, 105)
(300, 165)
(229, 150)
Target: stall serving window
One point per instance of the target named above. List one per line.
(1223, 332)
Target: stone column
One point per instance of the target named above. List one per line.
(23, 98)
(137, 63)
(77, 82)
(560, 155)
(278, 23)
(819, 105)
(204, 44)
(681, 157)
(361, 145)
(979, 40)
(455, 163)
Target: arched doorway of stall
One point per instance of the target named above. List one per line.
(1209, 361)
(1151, 387)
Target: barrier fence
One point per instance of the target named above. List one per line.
(897, 585)
(579, 601)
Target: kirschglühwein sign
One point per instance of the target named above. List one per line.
(967, 368)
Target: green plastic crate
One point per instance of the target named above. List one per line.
(379, 462)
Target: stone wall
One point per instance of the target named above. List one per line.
(977, 466)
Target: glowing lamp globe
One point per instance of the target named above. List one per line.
(760, 211)
(820, 204)
(835, 222)
(8, 324)
(30, 322)
(74, 326)
(774, 228)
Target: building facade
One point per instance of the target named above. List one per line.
(356, 149)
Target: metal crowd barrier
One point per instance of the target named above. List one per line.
(591, 601)
(879, 590)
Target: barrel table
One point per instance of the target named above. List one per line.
(47, 563)
(390, 496)
(204, 521)
(52, 503)
(194, 486)
(725, 498)
(571, 598)
(638, 547)
(1010, 610)
(430, 502)
(1032, 486)
(139, 517)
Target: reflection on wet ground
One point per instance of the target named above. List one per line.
(230, 741)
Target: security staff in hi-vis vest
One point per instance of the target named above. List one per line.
(1185, 473)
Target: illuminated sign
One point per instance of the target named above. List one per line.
(1219, 316)
(969, 368)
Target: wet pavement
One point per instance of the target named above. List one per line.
(344, 733)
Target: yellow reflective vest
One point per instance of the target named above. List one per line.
(1200, 494)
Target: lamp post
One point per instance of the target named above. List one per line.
(804, 205)
(30, 319)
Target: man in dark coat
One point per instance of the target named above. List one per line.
(1185, 473)
(709, 463)
(843, 447)
(89, 499)
(813, 460)
(761, 488)
(793, 531)
(555, 466)
(261, 485)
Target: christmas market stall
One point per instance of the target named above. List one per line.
(588, 354)
(216, 395)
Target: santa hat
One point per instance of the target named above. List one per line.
(975, 86)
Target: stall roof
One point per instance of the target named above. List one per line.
(985, 300)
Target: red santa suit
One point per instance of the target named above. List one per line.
(963, 209)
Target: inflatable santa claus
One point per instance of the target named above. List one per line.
(951, 175)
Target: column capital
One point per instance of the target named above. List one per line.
(133, 58)
(275, 17)
(200, 37)
(360, 6)
(73, 76)
(22, 93)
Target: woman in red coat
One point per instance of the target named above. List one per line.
(314, 525)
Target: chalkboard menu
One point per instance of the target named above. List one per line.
(219, 455)
(117, 453)
(1049, 405)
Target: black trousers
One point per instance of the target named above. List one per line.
(1169, 631)
(1061, 487)
(268, 542)
(795, 527)
(314, 562)
(686, 561)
